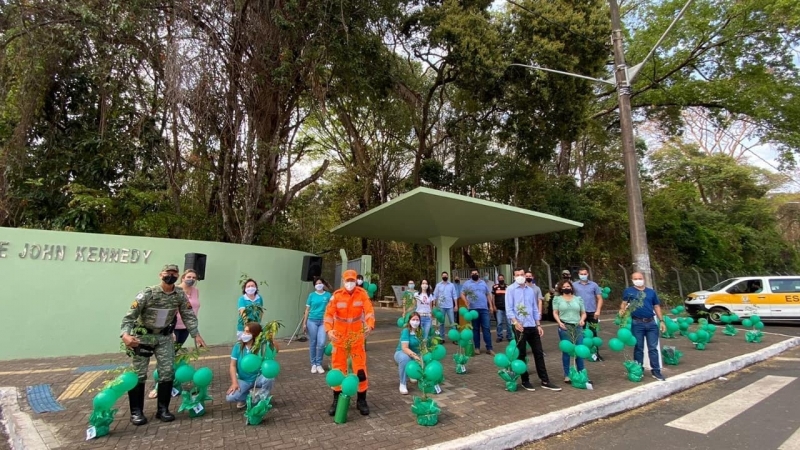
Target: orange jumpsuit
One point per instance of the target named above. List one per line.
(348, 315)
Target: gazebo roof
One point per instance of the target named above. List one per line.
(424, 214)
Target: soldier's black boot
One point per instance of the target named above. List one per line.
(164, 396)
(361, 403)
(136, 400)
(332, 409)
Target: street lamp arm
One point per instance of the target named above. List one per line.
(633, 71)
(566, 73)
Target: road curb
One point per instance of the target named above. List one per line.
(535, 428)
(19, 426)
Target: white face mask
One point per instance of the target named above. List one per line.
(360, 282)
(583, 277)
(520, 279)
(411, 285)
(246, 338)
(414, 323)
(350, 285)
(251, 290)
(638, 283)
(319, 287)
(424, 286)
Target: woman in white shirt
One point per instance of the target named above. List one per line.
(425, 303)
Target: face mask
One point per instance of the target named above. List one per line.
(411, 285)
(567, 291)
(444, 278)
(246, 337)
(520, 279)
(319, 287)
(583, 277)
(475, 277)
(638, 283)
(169, 279)
(501, 281)
(414, 323)
(190, 282)
(457, 281)
(529, 280)
(350, 285)
(424, 287)
(360, 282)
(250, 290)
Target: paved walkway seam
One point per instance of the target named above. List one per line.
(536, 428)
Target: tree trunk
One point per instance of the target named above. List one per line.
(564, 158)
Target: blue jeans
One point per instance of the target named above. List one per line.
(402, 360)
(449, 316)
(240, 395)
(425, 323)
(482, 324)
(565, 358)
(316, 341)
(503, 325)
(646, 331)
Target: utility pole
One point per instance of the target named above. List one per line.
(623, 79)
(638, 230)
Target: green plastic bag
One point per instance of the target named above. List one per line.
(101, 421)
(753, 336)
(427, 411)
(671, 355)
(578, 379)
(730, 330)
(634, 370)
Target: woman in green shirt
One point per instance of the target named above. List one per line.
(407, 348)
(570, 314)
(312, 324)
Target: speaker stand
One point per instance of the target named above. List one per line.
(302, 337)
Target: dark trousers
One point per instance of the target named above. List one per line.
(591, 323)
(530, 336)
(181, 335)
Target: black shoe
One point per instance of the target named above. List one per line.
(499, 339)
(332, 409)
(528, 386)
(600, 358)
(136, 400)
(550, 386)
(164, 396)
(361, 403)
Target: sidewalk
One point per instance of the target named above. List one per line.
(470, 403)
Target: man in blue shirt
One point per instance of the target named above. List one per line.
(476, 292)
(445, 295)
(643, 326)
(523, 312)
(592, 298)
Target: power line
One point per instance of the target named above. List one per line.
(775, 168)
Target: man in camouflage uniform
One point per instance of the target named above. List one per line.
(147, 331)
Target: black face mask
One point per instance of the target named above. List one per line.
(169, 279)
(475, 277)
(457, 281)
(444, 278)
(529, 280)
(501, 281)
(567, 291)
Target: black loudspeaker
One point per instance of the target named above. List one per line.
(196, 262)
(312, 267)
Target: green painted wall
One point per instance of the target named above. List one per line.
(68, 301)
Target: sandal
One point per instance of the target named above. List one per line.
(152, 394)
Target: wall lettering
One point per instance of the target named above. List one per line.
(56, 252)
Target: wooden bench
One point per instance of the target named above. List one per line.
(387, 302)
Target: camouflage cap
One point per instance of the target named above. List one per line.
(170, 267)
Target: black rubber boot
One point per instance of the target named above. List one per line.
(361, 403)
(136, 400)
(164, 396)
(332, 409)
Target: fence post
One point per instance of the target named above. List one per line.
(716, 274)
(549, 275)
(625, 273)
(699, 280)
(680, 286)
(591, 272)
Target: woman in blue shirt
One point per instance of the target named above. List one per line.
(241, 381)
(250, 306)
(312, 324)
(408, 348)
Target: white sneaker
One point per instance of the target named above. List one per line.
(320, 369)
(403, 389)
(313, 369)
(413, 380)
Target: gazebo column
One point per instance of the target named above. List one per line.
(443, 245)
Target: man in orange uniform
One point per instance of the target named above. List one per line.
(349, 318)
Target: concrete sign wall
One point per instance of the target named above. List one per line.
(64, 294)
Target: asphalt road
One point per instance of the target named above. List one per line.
(757, 407)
